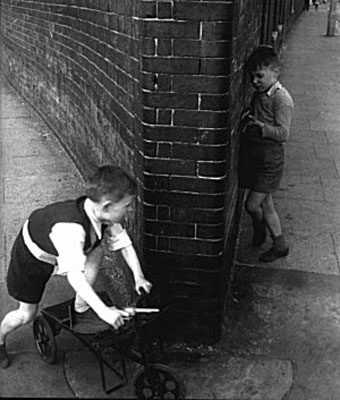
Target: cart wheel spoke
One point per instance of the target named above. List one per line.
(44, 340)
(158, 381)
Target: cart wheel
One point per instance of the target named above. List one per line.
(44, 340)
(158, 381)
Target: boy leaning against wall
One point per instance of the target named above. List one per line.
(262, 152)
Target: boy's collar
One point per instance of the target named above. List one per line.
(273, 89)
(97, 225)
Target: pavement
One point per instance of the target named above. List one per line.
(281, 335)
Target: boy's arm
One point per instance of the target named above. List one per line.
(282, 108)
(120, 240)
(279, 131)
(133, 263)
(68, 239)
(110, 315)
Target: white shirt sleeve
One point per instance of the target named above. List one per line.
(68, 238)
(118, 237)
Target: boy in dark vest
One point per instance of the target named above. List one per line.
(65, 238)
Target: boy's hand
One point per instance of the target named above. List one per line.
(143, 284)
(245, 115)
(253, 121)
(114, 317)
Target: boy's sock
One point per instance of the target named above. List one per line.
(4, 359)
(279, 242)
(279, 249)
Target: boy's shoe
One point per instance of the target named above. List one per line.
(89, 322)
(4, 359)
(273, 254)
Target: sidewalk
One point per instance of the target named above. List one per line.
(282, 336)
(291, 308)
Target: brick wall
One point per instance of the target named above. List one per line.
(157, 86)
(186, 78)
(78, 62)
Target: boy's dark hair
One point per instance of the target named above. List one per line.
(262, 56)
(110, 180)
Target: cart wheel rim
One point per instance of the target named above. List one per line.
(158, 381)
(44, 340)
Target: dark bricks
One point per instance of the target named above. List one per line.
(200, 84)
(203, 119)
(203, 11)
(171, 29)
(170, 100)
(172, 65)
(201, 48)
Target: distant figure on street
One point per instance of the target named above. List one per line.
(316, 5)
(267, 127)
(306, 7)
(65, 238)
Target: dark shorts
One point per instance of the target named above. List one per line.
(261, 166)
(27, 276)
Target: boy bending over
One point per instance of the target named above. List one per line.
(65, 238)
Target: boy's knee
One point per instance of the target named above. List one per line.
(26, 313)
(268, 206)
(27, 316)
(251, 207)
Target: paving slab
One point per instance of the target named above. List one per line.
(216, 377)
(333, 136)
(311, 166)
(304, 136)
(305, 152)
(29, 377)
(331, 125)
(331, 150)
(61, 186)
(301, 187)
(308, 216)
(33, 166)
(309, 251)
(291, 315)
(331, 189)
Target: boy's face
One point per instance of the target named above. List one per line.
(109, 211)
(264, 77)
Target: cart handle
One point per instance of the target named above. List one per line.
(135, 310)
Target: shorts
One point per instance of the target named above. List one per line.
(261, 166)
(27, 276)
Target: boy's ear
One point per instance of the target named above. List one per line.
(277, 70)
(106, 204)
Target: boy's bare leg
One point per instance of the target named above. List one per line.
(92, 266)
(280, 246)
(271, 216)
(13, 320)
(254, 208)
(253, 205)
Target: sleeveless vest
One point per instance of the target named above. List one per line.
(41, 222)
